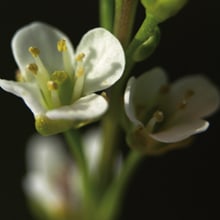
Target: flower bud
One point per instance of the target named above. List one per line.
(147, 47)
(163, 9)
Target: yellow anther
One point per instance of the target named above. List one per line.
(105, 96)
(80, 57)
(34, 51)
(158, 116)
(61, 45)
(80, 72)
(59, 76)
(51, 85)
(32, 68)
(182, 104)
(189, 93)
(18, 76)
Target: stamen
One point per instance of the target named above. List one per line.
(59, 76)
(67, 64)
(158, 117)
(188, 94)
(61, 45)
(18, 76)
(79, 83)
(32, 68)
(53, 88)
(104, 95)
(34, 51)
(80, 57)
(182, 104)
(51, 85)
(80, 72)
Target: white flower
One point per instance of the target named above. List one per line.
(92, 146)
(52, 181)
(57, 83)
(170, 113)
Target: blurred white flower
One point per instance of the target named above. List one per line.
(58, 84)
(52, 181)
(170, 113)
(92, 143)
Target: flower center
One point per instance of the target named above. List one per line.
(159, 116)
(61, 87)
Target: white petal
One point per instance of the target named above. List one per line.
(86, 108)
(92, 142)
(41, 191)
(44, 37)
(104, 60)
(29, 92)
(142, 94)
(205, 100)
(147, 87)
(128, 102)
(45, 155)
(181, 131)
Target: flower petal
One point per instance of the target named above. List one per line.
(45, 38)
(83, 110)
(41, 191)
(29, 92)
(128, 102)
(203, 102)
(92, 143)
(49, 151)
(104, 60)
(180, 131)
(147, 87)
(142, 94)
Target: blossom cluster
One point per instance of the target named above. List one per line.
(67, 88)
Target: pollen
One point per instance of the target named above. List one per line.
(159, 116)
(51, 85)
(18, 76)
(80, 72)
(61, 45)
(59, 76)
(80, 57)
(182, 104)
(34, 51)
(32, 68)
(105, 96)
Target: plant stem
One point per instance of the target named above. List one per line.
(106, 11)
(74, 141)
(111, 203)
(111, 131)
(125, 11)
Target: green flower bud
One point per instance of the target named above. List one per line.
(163, 9)
(147, 47)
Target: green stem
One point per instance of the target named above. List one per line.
(145, 31)
(125, 11)
(106, 11)
(111, 134)
(74, 141)
(111, 202)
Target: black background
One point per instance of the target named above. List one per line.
(179, 185)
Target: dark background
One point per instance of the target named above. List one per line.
(179, 185)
